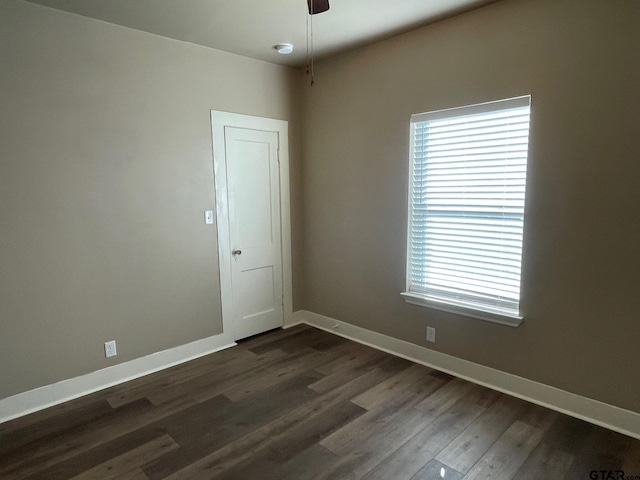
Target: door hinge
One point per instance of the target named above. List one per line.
(282, 300)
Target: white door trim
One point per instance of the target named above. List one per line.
(220, 120)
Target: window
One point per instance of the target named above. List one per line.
(466, 209)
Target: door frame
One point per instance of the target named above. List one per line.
(220, 120)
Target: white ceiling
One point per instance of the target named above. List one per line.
(252, 27)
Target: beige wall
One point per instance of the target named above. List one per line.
(580, 61)
(105, 173)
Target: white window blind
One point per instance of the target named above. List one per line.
(466, 206)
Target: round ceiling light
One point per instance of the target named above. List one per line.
(284, 48)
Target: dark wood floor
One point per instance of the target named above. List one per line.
(304, 404)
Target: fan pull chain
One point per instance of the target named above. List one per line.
(310, 52)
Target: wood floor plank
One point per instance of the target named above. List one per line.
(463, 452)
(218, 460)
(301, 339)
(229, 360)
(281, 372)
(330, 342)
(81, 440)
(56, 422)
(602, 450)
(214, 383)
(321, 403)
(394, 433)
(508, 454)
(568, 434)
(373, 429)
(87, 459)
(545, 462)
(434, 470)
(45, 415)
(483, 396)
(314, 337)
(444, 398)
(410, 397)
(353, 369)
(241, 449)
(442, 375)
(271, 337)
(188, 425)
(315, 430)
(277, 361)
(631, 465)
(129, 461)
(413, 455)
(219, 428)
(50, 450)
(414, 375)
(136, 474)
(215, 465)
(351, 357)
(346, 468)
(539, 417)
(392, 420)
(363, 453)
(306, 465)
(265, 462)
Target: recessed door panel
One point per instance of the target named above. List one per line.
(252, 192)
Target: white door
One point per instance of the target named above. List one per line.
(251, 174)
(253, 185)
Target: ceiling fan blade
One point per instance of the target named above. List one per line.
(317, 6)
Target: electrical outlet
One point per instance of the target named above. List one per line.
(431, 334)
(110, 349)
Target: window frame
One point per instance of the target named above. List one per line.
(451, 305)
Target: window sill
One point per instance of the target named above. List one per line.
(495, 317)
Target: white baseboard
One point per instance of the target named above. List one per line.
(54, 394)
(593, 411)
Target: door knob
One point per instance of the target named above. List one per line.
(237, 252)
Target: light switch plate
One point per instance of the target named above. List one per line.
(208, 217)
